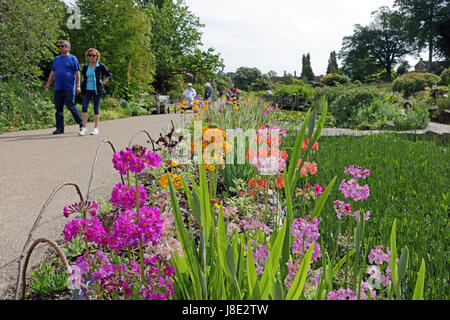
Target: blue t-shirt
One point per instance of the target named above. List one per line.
(91, 82)
(65, 68)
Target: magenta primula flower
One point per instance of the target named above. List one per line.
(81, 207)
(125, 197)
(135, 159)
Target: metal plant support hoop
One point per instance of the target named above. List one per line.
(95, 161)
(30, 250)
(35, 225)
(142, 131)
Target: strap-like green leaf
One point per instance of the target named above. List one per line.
(298, 284)
(418, 291)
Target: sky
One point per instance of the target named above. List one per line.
(273, 35)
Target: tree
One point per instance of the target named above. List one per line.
(175, 35)
(203, 65)
(332, 63)
(245, 76)
(423, 18)
(29, 32)
(121, 32)
(384, 40)
(356, 61)
(307, 73)
(262, 83)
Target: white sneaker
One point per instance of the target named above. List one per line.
(83, 131)
(95, 131)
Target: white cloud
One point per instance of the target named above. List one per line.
(273, 35)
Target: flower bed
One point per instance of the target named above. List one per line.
(243, 220)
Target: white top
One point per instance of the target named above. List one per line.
(189, 94)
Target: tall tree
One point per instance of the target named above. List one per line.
(384, 40)
(307, 73)
(121, 32)
(423, 19)
(332, 63)
(356, 61)
(245, 76)
(175, 35)
(29, 32)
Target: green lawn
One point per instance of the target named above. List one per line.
(409, 182)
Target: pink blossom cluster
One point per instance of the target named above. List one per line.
(121, 278)
(269, 165)
(378, 256)
(341, 294)
(228, 211)
(344, 209)
(81, 207)
(253, 225)
(357, 172)
(232, 227)
(91, 229)
(305, 232)
(135, 159)
(127, 231)
(293, 265)
(308, 168)
(125, 197)
(348, 294)
(260, 254)
(352, 189)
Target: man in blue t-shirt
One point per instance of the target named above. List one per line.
(65, 71)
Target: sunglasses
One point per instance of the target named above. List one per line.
(92, 55)
(61, 46)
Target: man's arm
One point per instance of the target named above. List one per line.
(50, 80)
(78, 86)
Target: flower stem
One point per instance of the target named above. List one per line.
(141, 250)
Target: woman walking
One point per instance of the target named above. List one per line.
(93, 87)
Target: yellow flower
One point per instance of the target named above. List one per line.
(236, 108)
(176, 181)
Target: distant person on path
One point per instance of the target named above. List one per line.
(189, 94)
(208, 92)
(65, 70)
(93, 87)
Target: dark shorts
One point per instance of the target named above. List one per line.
(87, 97)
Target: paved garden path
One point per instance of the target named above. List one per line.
(34, 163)
(433, 128)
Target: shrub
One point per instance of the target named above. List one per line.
(24, 107)
(443, 103)
(445, 77)
(330, 93)
(410, 83)
(333, 78)
(294, 90)
(416, 117)
(376, 114)
(345, 107)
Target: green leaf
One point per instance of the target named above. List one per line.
(394, 270)
(272, 265)
(418, 291)
(340, 263)
(403, 264)
(188, 248)
(321, 202)
(252, 277)
(298, 284)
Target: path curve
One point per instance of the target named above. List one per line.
(34, 163)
